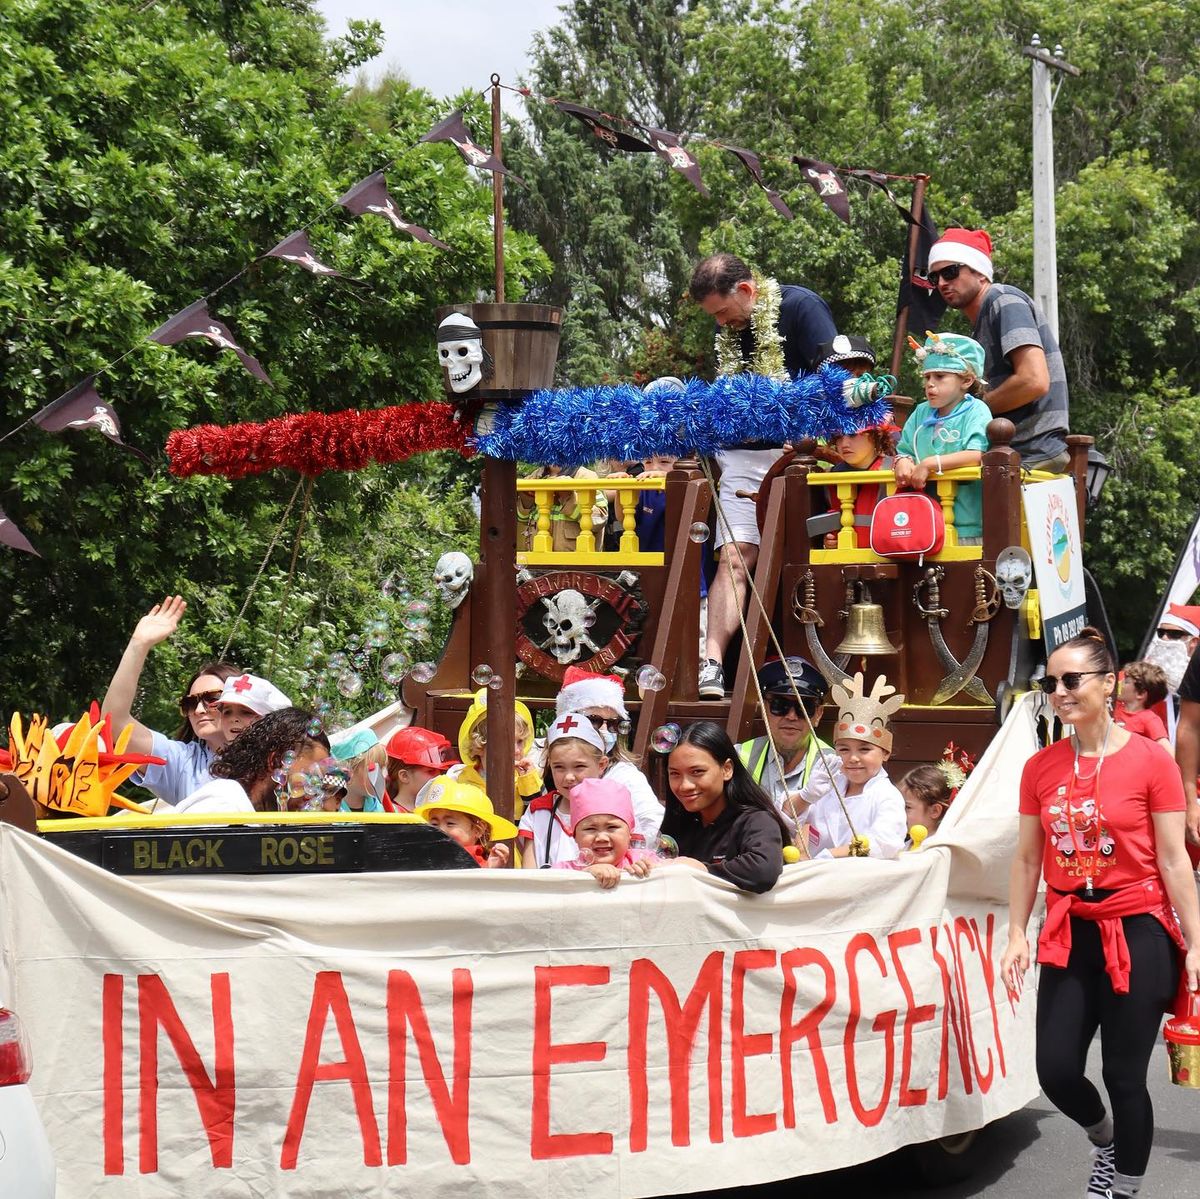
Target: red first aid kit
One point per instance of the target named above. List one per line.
(907, 526)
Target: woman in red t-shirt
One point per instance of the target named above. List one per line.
(1102, 817)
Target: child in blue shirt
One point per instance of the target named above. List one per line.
(949, 429)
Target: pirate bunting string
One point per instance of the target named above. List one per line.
(564, 427)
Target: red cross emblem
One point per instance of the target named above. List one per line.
(243, 684)
(567, 724)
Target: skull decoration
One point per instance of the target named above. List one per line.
(568, 617)
(452, 576)
(1014, 573)
(461, 353)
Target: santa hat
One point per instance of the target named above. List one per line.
(1184, 617)
(971, 247)
(582, 690)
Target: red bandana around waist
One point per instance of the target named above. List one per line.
(1054, 945)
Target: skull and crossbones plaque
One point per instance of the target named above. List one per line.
(568, 618)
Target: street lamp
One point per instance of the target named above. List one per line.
(1098, 471)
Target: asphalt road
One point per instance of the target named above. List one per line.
(1035, 1153)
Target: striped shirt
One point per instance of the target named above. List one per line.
(1008, 319)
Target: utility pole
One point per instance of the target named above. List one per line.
(1045, 263)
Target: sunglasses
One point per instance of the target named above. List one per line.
(601, 723)
(781, 705)
(190, 703)
(1070, 681)
(949, 273)
(1171, 634)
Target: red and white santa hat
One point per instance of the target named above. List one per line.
(970, 247)
(582, 690)
(249, 691)
(1184, 617)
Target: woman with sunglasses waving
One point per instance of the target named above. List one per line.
(189, 752)
(1102, 817)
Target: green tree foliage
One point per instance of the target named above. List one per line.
(148, 153)
(940, 88)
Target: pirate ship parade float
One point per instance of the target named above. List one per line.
(518, 1032)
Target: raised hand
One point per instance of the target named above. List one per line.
(161, 621)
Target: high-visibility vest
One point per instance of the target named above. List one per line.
(754, 757)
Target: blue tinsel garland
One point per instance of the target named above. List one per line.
(577, 425)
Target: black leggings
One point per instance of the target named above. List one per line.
(1075, 1000)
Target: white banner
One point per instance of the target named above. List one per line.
(1052, 518)
(511, 1033)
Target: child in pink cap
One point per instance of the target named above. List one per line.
(602, 825)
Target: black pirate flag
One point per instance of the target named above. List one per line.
(826, 183)
(923, 301)
(750, 161)
(925, 304)
(11, 536)
(453, 129)
(298, 249)
(602, 129)
(82, 408)
(672, 149)
(194, 321)
(370, 195)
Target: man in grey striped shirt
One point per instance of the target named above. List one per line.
(1026, 380)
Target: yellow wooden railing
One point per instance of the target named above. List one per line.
(541, 553)
(846, 484)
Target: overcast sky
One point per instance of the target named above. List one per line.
(448, 45)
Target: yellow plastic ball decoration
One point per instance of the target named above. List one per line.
(791, 854)
(917, 834)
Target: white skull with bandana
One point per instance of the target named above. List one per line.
(461, 353)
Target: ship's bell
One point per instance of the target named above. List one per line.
(865, 633)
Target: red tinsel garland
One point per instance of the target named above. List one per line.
(314, 442)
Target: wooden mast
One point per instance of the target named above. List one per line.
(498, 546)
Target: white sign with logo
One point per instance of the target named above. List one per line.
(1052, 519)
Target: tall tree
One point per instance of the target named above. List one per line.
(149, 153)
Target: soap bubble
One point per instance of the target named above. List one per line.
(393, 669)
(314, 727)
(496, 683)
(316, 647)
(666, 847)
(289, 759)
(324, 708)
(350, 683)
(650, 678)
(377, 635)
(586, 857)
(338, 661)
(278, 777)
(624, 728)
(352, 643)
(417, 608)
(699, 531)
(482, 675)
(422, 672)
(343, 720)
(665, 738)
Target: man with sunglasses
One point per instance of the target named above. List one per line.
(1026, 380)
(791, 725)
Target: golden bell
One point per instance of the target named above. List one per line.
(865, 633)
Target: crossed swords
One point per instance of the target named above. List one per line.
(960, 676)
